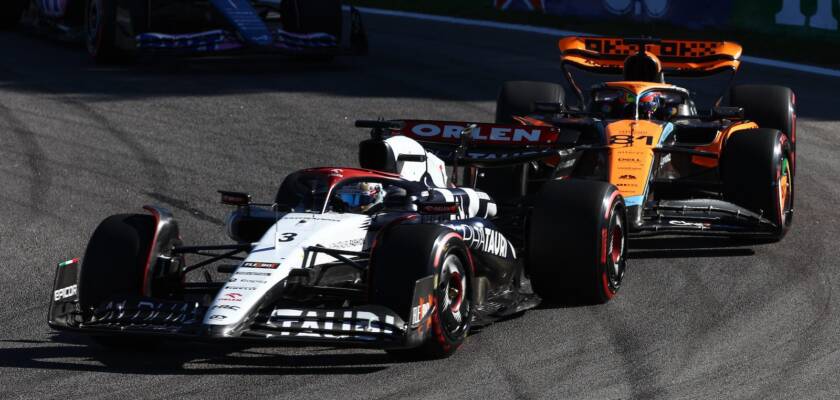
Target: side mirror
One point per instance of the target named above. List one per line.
(412, 158)
(238, 199)
(728, 112)
(380, 127)
(547, 108)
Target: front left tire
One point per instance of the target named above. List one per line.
(408, 253)
(757, 174)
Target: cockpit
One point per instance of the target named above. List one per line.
(318, 192)
(661, 104)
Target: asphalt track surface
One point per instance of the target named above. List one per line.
(696, 318)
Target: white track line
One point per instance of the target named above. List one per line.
(559, 32)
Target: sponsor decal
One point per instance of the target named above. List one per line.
(482, 132)
(791, 14)
(261, 265)
(309, 323)
(629, 159)
(627, 177)
(698, 225)
(232, 297)
(484, 239)
(240, 288)
(419, 311)
(252, 273)
(65, 293)
(653, 8)
(217, 317)
(146, 312)
(225, 307)
(249, 281)
(316, 218)
(346, 244)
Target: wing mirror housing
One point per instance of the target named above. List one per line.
(238, 199)
(728, 112)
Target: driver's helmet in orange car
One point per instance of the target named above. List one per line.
(649, 104)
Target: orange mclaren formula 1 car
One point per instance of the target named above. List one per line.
(728, 170)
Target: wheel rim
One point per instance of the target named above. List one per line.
(453, 295)
(94, 19)
(784, 188)
(617, 244)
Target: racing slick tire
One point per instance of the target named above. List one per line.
(577, 242)
(769, 106)
(757, 174)
(312, 16)
(407, 253)
(517, 98)
(114, 264)
(100, 26)
(10, 13)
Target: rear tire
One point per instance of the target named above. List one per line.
(407, 253)
(517, 98)
(577, 243)
(757, 175)
(10, 13)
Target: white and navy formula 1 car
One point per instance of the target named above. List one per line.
(390, 256)
(116, 30)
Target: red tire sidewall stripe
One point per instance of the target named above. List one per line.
(604, 241)
(147, 267)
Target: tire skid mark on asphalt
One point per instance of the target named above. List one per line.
(26, 206)
(632, 351)
(154, 171)
(711, 314)
(516, 385)
(186, 207)
(37, 162)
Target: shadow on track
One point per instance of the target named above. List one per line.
(44, 66)
(69, 352)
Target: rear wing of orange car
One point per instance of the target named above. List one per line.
(678, 57)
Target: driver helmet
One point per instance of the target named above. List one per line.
(362, 197)
(649, 103)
